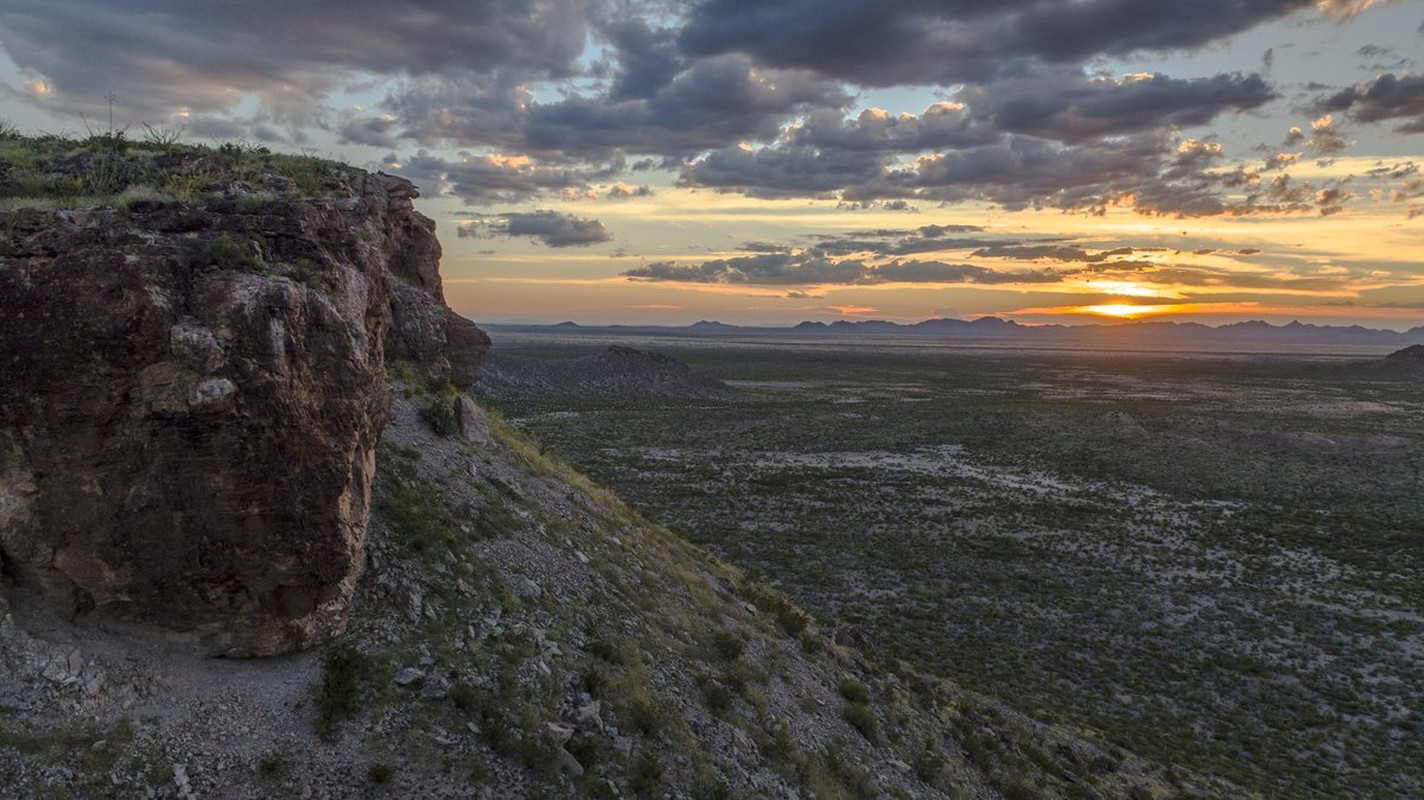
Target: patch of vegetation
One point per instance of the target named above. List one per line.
(863, 720)
(225, 252)
(49, 170)
(420, 522)
(380, 773)
(273, 766)
(346, 672)
(728, 645)
(441, 416)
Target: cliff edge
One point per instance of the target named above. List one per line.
(193, 392)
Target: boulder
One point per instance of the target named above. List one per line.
(192, 397)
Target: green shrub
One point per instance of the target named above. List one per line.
(863, 720)
(380, 773)
(464, 696)
(617, 654)
(345, 671)
(308, 273)
(718, 697)
(441, 416)
(273, 765)
(728, 645)
(855, 691)
(224, 252)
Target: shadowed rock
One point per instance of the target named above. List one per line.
(192, 397)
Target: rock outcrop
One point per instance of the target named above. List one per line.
(191, 396)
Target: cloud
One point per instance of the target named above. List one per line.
(813, 268)
(622, 191)
(940, 42)
(208, 56)
(776, 269)
(489, 179)
(508, 102)
(383, 131)
(549, 227)
(1072, 107)
(716, 102)
(1387, 97)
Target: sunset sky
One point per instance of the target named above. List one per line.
(771, 161)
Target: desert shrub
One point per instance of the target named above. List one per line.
(273, 765)
(728, 645)
(464, 696)
(224, 252)
(644, 713)
(345, 671)
(614, 653)
(308, 272)
(863, 720)
(717, 696)
(647, 774)
(854, 691)
(440, 415)
(380, 773)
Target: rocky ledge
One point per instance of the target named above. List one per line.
(192, 394)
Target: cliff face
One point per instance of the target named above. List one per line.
(191, 399)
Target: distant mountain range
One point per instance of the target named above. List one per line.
(993, 328)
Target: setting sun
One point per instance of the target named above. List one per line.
(1125, 310)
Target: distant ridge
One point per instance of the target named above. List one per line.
(994, 328)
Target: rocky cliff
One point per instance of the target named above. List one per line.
(192, 394)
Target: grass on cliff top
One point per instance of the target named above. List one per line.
(57, 171)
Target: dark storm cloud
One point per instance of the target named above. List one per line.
(954, 41)
(1154, 173)
(716, 102)
(813, 268)
(1072, 107)
(1387, 97)
(374, 131)
(549, 227)
(648, 58)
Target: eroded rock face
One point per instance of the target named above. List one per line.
(190, 400)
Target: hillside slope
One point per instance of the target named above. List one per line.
(520, 632)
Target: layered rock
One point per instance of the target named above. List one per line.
(191, 399)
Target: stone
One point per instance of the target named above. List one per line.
(407, 676)
(590, 715)
(188, 420)
(569, 765)
(435, 688)
(526, 589)
(558, 733)
(474, 426)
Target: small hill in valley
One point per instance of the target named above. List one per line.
(1401, 365)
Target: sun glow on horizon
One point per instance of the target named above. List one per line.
(1127, 310)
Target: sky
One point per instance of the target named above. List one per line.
(773, 161)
